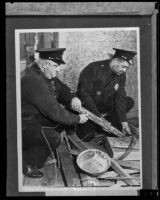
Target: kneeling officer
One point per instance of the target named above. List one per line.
(43, 95)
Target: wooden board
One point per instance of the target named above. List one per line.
(115, 166)
(33, 181)
(67, 165)
(121, 172)
(129, 164)
(52, 176)
(79, 143)
(118, 169)
(88, 181)
(131, 156)
(121, 142)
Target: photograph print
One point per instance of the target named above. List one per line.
(78, 110)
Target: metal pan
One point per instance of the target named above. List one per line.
(93, 161)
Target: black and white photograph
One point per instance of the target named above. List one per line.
(78, 110)
(81, 98)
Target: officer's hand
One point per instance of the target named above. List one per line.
(83, 118)
(125, 128)
(76, 104)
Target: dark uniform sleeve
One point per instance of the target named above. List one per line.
(37, 92)
(85, 90)
(65, 94)
(121, 100)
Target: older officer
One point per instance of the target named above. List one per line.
(43, 95)
(101, 88)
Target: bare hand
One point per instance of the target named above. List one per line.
(125, 128)
(76, 104)
(83, 118)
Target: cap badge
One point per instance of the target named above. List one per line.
(124, 57)
(116, 86)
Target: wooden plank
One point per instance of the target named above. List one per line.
(33, 181)
(71, 176)
(118, 169)
(52, 176)
(78, 142)
(47, 40)
(123, 147)
(60, 182)
(115, 166)
(115, 141)
(122, 172)
(132, 171)
(129, 164)
(118, 144)
(88, 181)
(131, 156)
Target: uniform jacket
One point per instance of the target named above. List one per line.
(96, 89)
(41, 98)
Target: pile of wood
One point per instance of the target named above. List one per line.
(121, 172)
(63, 171)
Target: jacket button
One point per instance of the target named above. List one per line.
(98, 93)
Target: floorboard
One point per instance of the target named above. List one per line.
(53, 176)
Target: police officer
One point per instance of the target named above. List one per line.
(101, 88)
(43, 95)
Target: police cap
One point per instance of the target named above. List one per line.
(124, 54)
(53, 54)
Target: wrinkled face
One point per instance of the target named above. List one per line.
(119, 66)
(50, 69)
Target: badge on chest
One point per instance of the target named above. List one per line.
(98, 93)
(116, 86)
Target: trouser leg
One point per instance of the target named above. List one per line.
(35, 146)
(113, 117)
(36, 156)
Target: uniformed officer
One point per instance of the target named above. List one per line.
(101, 88)
(43, 95)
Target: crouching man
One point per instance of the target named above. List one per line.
(42, 95)
(101, 88)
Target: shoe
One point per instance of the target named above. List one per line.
(32, 172)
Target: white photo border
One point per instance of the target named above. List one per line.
(69, 191)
